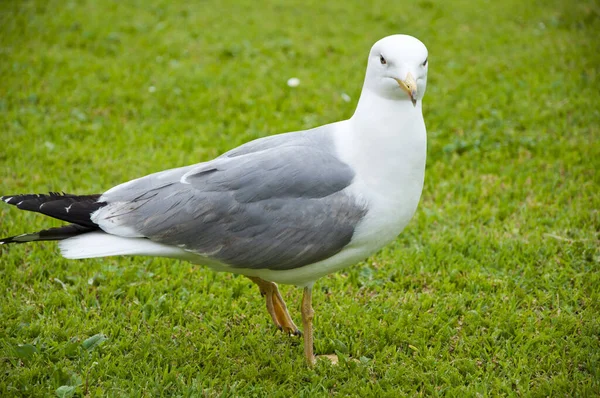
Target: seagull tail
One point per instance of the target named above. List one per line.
(75, 209)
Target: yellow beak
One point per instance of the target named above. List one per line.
(409, 85)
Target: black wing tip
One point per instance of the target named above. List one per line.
(23, 238)
(16, 199)
(9, 199)
(56, 233)
(60, 205)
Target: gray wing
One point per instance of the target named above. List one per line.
(276, 203)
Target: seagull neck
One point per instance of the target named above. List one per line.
(387, 144)
(385, 117)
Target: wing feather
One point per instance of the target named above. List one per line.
(277, 203)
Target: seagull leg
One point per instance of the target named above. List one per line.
(283, 315)
(276, 306)
(308, 315)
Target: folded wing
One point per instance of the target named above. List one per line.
(277, 203)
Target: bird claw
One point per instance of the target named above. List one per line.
(330, 357)
(295, 332)
(290, 331)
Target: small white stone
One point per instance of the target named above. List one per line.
(293, 82)
(151, 89)
(345, 97)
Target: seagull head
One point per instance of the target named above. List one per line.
(397, 68)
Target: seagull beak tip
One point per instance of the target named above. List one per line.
(409, 86)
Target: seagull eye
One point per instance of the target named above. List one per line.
(382, 60)
(425, 62)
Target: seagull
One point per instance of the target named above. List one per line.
(288, 209)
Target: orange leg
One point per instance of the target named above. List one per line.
(276, 306)
(308, 315)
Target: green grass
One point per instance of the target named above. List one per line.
(493, 289)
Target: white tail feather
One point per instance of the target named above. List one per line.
(100, 244)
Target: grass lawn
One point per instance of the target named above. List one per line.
(492, 290)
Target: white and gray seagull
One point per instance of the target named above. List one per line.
(288, 209)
